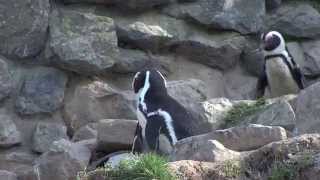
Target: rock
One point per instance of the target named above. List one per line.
(83, 42)
(308, 110)
(276, 114)
(223, 53)
(7, 175)
(144, 36)
(88, 131)
(45, 134)
(135, 5)
(130, 61)
(297, 20)
(42, 91)
(242, 138)
(93, 101)
(9, 134)
(263, 157)
(215, 110)
(6, 84)
(23, 33)
(21, 157)
(196, 170)
(297, 53)
(186, 91)
(239, 84)
(202, 150)
(273, 4)
(63, 161)
(253, 61)
(242, 16)
(114, 161)
(311, 65)
(115, 134)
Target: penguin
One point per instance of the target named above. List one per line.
(162, 121)
(281, 73)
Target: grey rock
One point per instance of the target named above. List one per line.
(297, 52)
(221, 53)
(9, 134)
(253, 61)
(276, 114)
(239, 84)
(86, 132)
(63, 161)
(308, 110)
(245, 138)
(273, 4)
(202, 150)
(6, 84)
(300, 20)
(137, 5)
(242, 16)
(45, 134)
(93, 101)
(115, 134)
(130, 61)
(215, 110)
(143, 36)
(21, 157)
(311, 65)
(23, 33)
(83, 42)
(7, 175)
(186, 91)
(42, 91)
(114, 161)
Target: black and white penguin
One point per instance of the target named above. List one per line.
(281, 73)
(162, 120)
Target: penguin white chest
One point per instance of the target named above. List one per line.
(280, 79)
(142, 122)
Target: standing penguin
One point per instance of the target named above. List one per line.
(281, 73)
(162, 120)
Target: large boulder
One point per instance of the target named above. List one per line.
(9, 134)
(82, 42)
(42, 91)
(93, 101)
(300, 20)
(6, 81)
(242, 16)
(158, 32)
(130, 61)
(311, 65)
(115, 134)
(45, 134)
(86, 132)
(63, 161)
(143, 36)
(202, 150)
(7, 175)
(308, 110)
(23, 33)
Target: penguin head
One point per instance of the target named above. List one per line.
(151, 79)
(273, 42)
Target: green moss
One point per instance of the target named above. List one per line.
(143, 167)
(242, 110)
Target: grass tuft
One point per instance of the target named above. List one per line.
(142, 167)
(232, 169)
(242, 110)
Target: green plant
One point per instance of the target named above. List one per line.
(232, 168)
(241, 110)
(142, 167)
(289, 169)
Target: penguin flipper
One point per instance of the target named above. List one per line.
(137, 145)
(154, 125)
(298, 77)
(261, 85)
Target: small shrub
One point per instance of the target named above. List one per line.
(242, 110)
(143, 167)
(232, 169)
